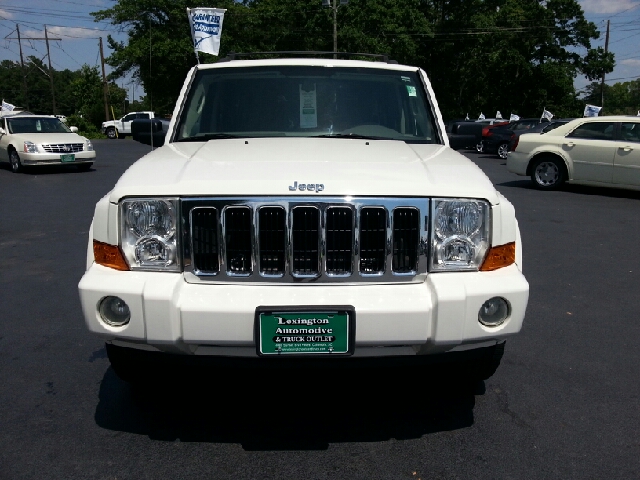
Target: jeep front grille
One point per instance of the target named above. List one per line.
(297, 239)
(63, 147)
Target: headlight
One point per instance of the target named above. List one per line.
(459, 234)
(30, 147)
(89, 146)
(148, 233)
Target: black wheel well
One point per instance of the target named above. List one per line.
(550, 156)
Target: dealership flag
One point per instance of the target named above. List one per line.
(591, 111)
(467, 118)
(499, 115)
(514, 118)
(546, 114)
(206, 28)
(7, 107)
(481, 117)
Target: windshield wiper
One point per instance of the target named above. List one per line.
(352, 135)
(208, 136)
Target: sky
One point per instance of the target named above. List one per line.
(71, 22)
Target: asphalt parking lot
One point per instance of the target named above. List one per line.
(564, 404)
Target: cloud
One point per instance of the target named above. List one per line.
(6, 15)
(631, 62)
(66, 33)
(610, 6)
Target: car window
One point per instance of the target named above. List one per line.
(143, 115)
(307, 101)
(36, 125)
(129, 117)
(594, 131)
(552, 126)
(630, 131)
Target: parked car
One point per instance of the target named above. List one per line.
(304, 210)
(496, 139)
(540, 128)
(593, 151)
(464, 134)
(42, 140)
(487, 124)
(122, 127)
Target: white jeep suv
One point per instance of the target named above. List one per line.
(304, 210)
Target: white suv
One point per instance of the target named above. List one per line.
(304, 210)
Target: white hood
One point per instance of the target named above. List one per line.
(269, 166)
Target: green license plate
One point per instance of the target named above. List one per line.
(304, 332)
(68, 158)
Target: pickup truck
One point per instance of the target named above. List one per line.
(304, 211)
(121, 128)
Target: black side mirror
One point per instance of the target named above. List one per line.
(149, 131)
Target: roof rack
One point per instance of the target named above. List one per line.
(235, 56)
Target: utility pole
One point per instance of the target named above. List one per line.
(53, 93)
(104, 84)
(24, 75)
(606, 49)
(333, 4)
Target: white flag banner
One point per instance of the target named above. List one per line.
(591, 111)
(547, 114)
(638, 113)
(481, 117)
(498, 115)
(206, 28)
(7, 107)
(467, 117)
(513, 118)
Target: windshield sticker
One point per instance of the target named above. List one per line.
(308, 109)
(411, 90)
(405, 79)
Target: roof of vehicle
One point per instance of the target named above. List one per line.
(312, 62)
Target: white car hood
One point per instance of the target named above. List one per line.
(269, 166)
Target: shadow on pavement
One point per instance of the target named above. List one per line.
(287, 410)
(577, 189)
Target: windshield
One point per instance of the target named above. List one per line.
(36, 125)
(307, 101)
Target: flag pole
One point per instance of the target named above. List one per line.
(195, 50)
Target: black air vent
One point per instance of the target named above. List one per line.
(204, 237)
(305, 237)
(339, 238)
(406, 236)
(373, 240)
(272, 238)
(237, 236)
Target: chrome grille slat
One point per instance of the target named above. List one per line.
(63, 147)
(302, 239)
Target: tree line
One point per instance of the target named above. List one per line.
(516, 56)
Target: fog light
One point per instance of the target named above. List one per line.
(493, 312)
(114, 311)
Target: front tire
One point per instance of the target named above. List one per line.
(14, 159)
(111, 133)
(548, 173)
(503, 150)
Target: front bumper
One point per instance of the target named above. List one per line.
(435, 316)
(55, 158)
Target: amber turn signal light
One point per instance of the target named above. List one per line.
(500, 256)
(109, 256)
